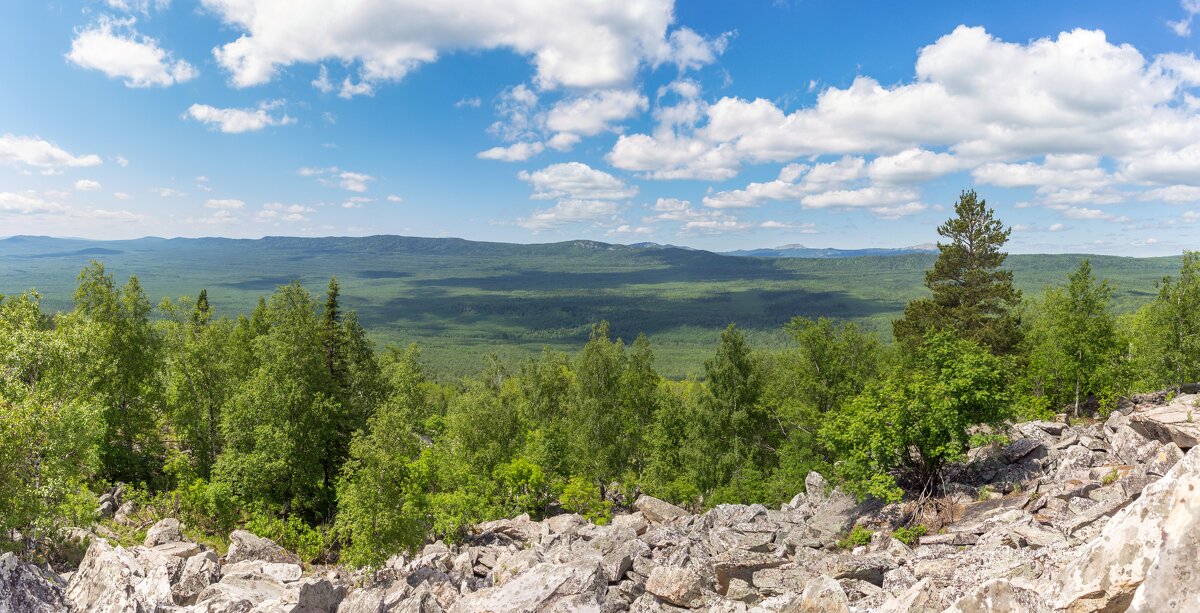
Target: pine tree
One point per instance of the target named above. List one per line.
(972, 295)
(202, 312)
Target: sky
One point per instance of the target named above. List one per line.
(714, 124)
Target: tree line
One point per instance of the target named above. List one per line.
(288, 421)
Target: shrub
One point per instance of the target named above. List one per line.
(858, 536)
(583, 497)
(908, 535)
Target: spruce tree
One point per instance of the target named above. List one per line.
(972, 295)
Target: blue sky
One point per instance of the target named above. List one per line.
(715, 124)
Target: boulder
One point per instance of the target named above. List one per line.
(512, 565)
(26, 589)
(657, 511)
(199, 572)
(246, 546)
(165, 531)
(112, 579)
(1173, 423)
(1000, 596)
(545, 587)
(238, 593)
(1158, 533)
(822, 595)
(921, 597)
(677, 586)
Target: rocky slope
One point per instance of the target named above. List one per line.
(1100, 517)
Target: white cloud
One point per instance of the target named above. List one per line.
(138, 6)
(33, 151)
(468, 103)
(595, 112)
(114, 47)
(277, 211)
(516, 152)
(219, 217)
(237, 121)
(864, 197)
(572, 211)
(225, 203)
(1175, 194)
(121, 196)
(974, 100)
(12, 202)
(911, 166)
(588, 45)
(356, 202)
(802, 228)
(322, 82)
(167, 192)
(354, 181)
(1085, 213)
(896, 212)
(87, 185)
(121, 161)
(1057, 227)
(394, 198)
(628, 230)
(336, 177)
(1183, 27)
(103, 214)
(576, 181)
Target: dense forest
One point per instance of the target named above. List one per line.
(289, 422)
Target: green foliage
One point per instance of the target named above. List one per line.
(973, 296)
(583, 497)
(857, 537)
(1110, 477)
(523, 488)
(309, 542)
(917, 420)
(910, 535)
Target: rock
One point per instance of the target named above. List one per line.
(1156, 531)
(1000, 596)
(178, 549)
(1021, 449)
(246, 546)
(657, 511)
(199, 572)
(742, 565)
(115, 579)
(921, 597)
(678, 586)
(634, 521)
(165, 531)
(279, 571)
(236, 594)
(822, 595)
(125, 513)
(26, 589)
(816, 488)
(510, 566)
(545, 587)
(1173, 423)
(1162, 461)
(741, 591)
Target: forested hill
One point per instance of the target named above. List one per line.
(460, 298)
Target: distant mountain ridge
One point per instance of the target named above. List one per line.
(801, 251)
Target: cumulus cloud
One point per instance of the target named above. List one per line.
(336, 177)
(573, 44)
(115, 47)
(237, 121)
(26, 203)
(576, 181)
(33, 151)
(87, 185)
(595, 112)
(278, 211)
(1051, 114)
(225, 203)
(565, 212)
(1183, 26)
(516, 152)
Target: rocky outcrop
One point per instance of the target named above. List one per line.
(24, 588)
(1062, 518)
